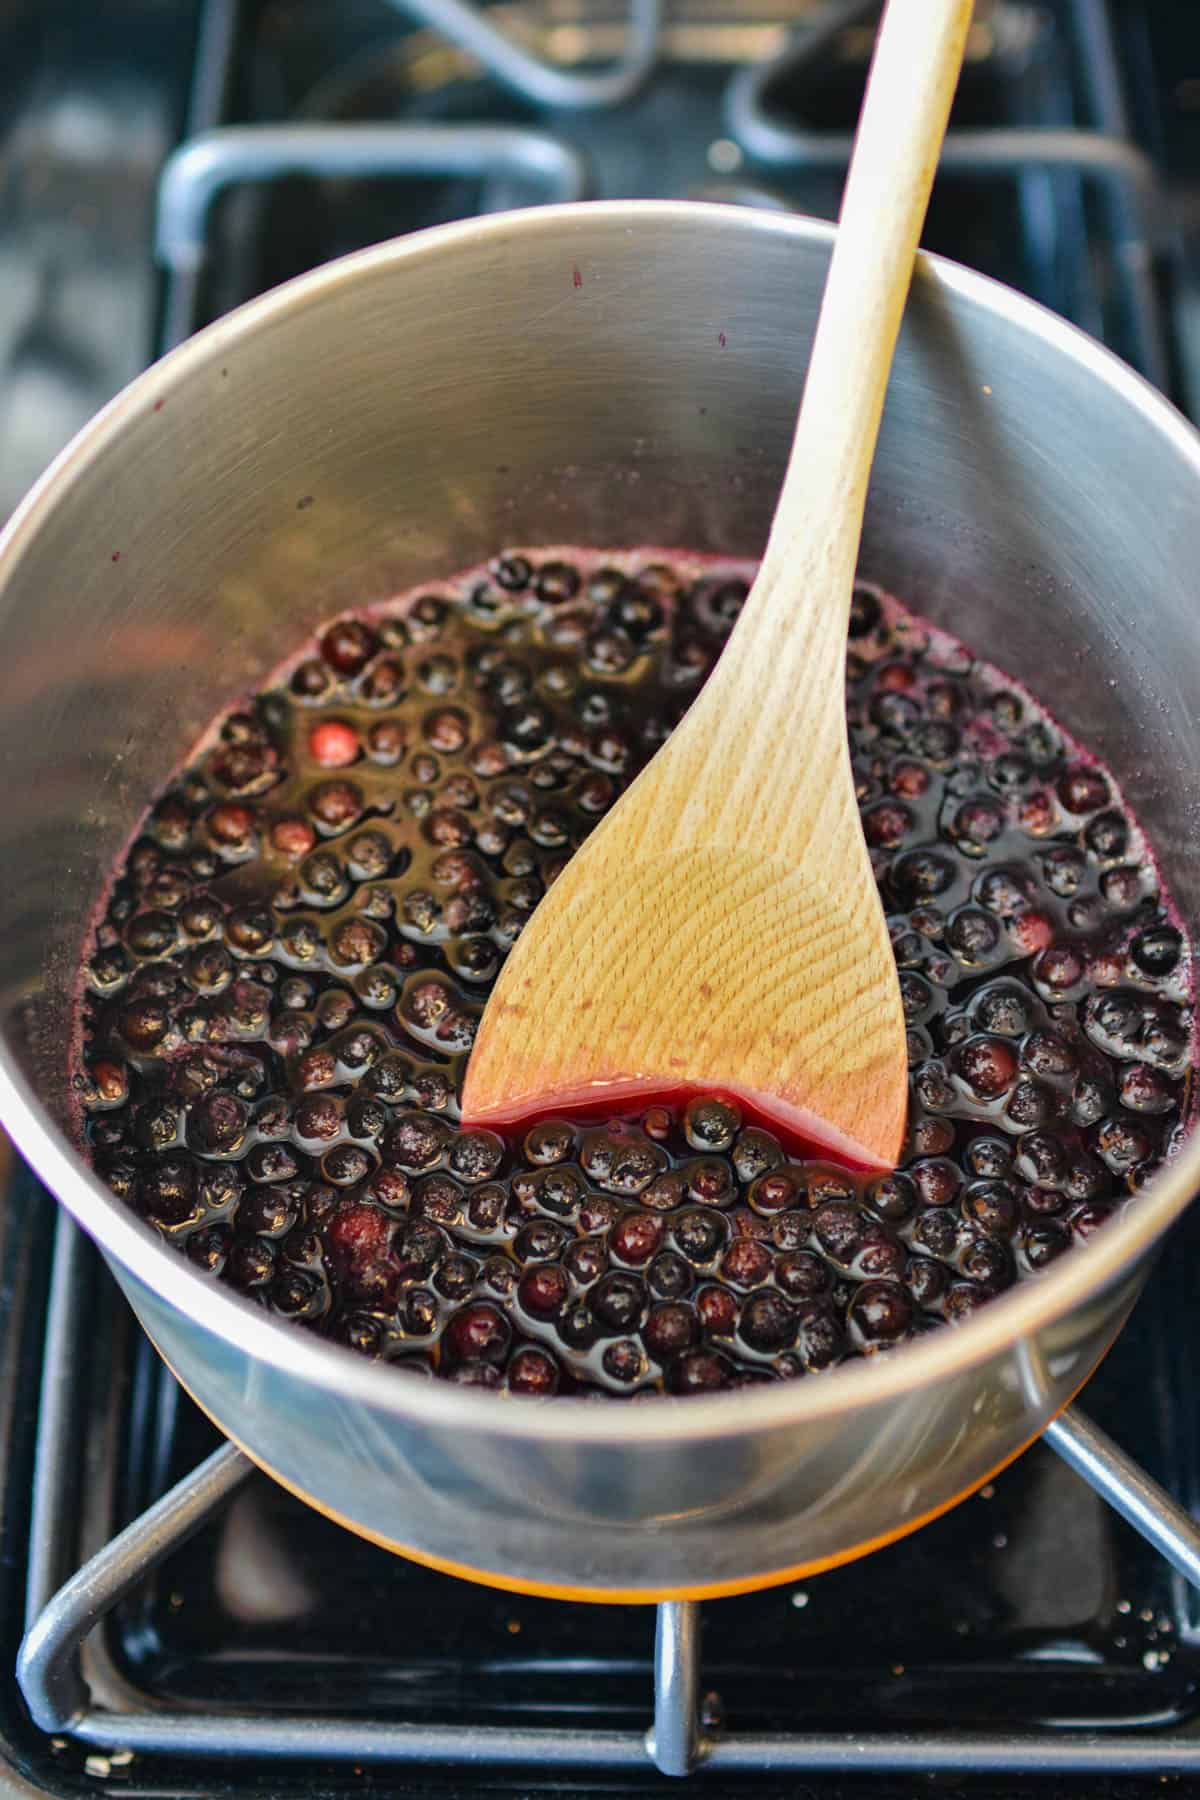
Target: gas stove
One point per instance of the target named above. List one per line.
(193, 1628)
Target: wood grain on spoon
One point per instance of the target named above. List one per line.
(721, 927)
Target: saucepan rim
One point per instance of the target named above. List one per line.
(234, 1318)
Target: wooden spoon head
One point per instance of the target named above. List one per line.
(653, 966)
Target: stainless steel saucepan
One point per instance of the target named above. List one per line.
(610, 375)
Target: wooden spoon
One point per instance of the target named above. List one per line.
(721, 928)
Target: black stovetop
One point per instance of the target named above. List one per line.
(1031, 1604)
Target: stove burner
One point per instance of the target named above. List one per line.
(539, 82)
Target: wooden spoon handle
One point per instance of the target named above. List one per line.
(813, 546)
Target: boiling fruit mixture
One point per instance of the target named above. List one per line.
(289, 966)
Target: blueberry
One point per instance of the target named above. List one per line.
(485, 1208)
(802, 1275)
(1044, 1242)
(637, 610)
(540, 1241)
(1122, 1142)
(1144, 1090)
(455, 1277)
(936, 1231)
(921, 875)
(345, 1165)
(577, 1328)
(699, 1371)
(532, 1370)
(1157, 950)
(926, 1280)
(1082, 789)
(584, 1260)
(972, 934)
(478, 1333)
(699, 1234)
(624, 1362)
(988, 1157)
(549, 1142)
(1108, 836)
(635, 1237)
(166, 1193)
(987, 1065)
(779, 1191)
(207, 1247)
(865, 612)
(476, 1155)
(669, 1276)
(348, 646)
(669, 1330)
(420, 1312)
(1030, 1103)
(879, 1315)
(936, 1180)
(618, 1301)
(1048, 1054)
(711, 1124)
(295, 1295)
(820, 1340)
(1042, 1158)
(556, 582)
(543, 1290)
(767, 1322)
(992, 1206)
(746, 1263)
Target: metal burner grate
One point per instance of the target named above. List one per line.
(747, 101)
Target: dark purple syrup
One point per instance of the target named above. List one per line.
(293, 956)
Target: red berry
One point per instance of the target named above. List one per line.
(1031, 932)
(293, 837)
(112, 1083)
(979, 821)
(348, 645)
(746, 1263)
(1106, 970)
(717, 1310)
(699, 1371)
(908, 780)
(532, 1371)
(231, 824)
(333, 744)
(478, 1333)
(1082, 790)
(635, 1238)
(1059, 967)
(543, 1290)
(1038, 813)
(359, 1233)
(385, 741)
(987, 1065)
(669, 1330)
(335, 804)
(886, 825)
(446, 730)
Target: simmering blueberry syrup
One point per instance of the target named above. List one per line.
(284, 979)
